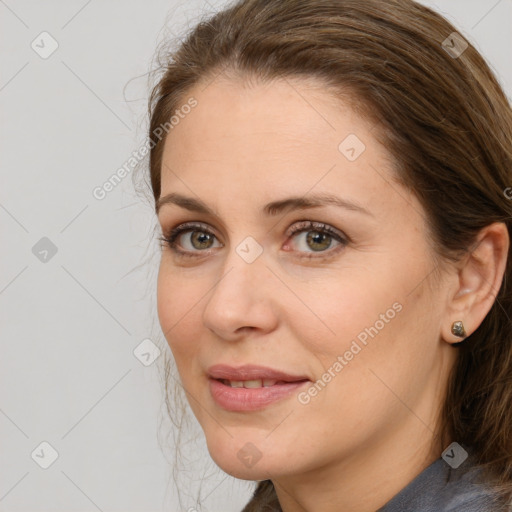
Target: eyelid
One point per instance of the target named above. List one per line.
(303, 224)
(188, 225)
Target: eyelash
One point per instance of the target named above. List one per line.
(169, 240)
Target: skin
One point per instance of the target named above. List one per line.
(371, 429)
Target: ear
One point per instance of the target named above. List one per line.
(478, 281)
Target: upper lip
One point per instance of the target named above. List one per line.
(251, 372)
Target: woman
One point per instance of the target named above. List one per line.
(332, 180)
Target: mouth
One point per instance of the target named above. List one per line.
(252, 374)
(257, 383)
(249, 387)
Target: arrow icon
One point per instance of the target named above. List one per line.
(454, 455)
(351, 147)
(146, 352)
(44, 250)
(249, 253)
(44, 44)
(249, 455)
(455, 45)
(44, 455)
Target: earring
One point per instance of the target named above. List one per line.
(458, 329)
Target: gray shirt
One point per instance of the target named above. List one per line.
(441, 488)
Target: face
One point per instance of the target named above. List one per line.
(337, 297)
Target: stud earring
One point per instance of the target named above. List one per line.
(458, 329)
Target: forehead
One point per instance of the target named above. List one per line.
(246, 141)
(285, 114)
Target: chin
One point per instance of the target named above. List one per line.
(242, 459)
(233, 467)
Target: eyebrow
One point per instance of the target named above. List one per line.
(270, 209)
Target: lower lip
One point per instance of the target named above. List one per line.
(250, 399)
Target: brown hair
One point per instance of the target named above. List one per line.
(443, 117)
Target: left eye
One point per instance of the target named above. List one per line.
(319, 238)
(316, 236)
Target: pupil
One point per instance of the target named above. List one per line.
(202, 238)
(317, 239)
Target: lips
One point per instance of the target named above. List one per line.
(251, 388)
(251, 374)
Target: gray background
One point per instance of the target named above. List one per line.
(70, 321)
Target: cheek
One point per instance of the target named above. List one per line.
(177, 303)
(369, 334)
(343, 308)
(356, 324)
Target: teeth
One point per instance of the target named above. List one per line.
(251, 384)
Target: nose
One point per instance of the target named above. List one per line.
(242, 299)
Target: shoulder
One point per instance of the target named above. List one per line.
(467, 491)
(441, 488)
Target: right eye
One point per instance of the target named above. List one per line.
(200, 240)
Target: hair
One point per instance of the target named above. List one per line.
(445, 121)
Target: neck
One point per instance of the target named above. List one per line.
(366, 479)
